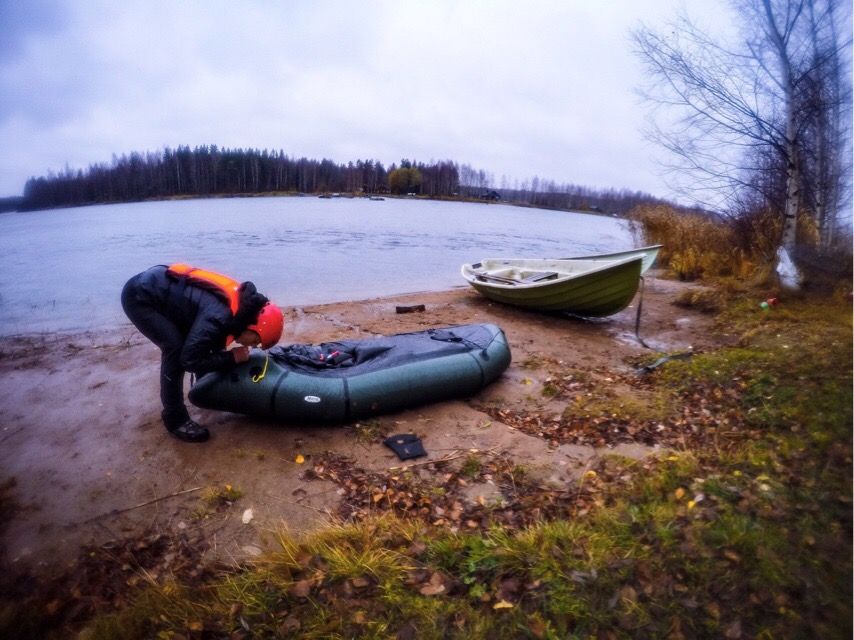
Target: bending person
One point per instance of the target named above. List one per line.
(192, 315)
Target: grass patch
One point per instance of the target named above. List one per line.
(471, 467)
(368, 431)
(550, 389)
(705, 300)
(653, 406)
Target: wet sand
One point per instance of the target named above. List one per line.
(82, 446)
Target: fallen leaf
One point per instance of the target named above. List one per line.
(434, 587)
(408, 631)
(628, 595)
(290, 624)
(537, 627)
(733, 631)
(300, 589)
(503, 604)
(360, 582)
(432, 590)
(417, 548)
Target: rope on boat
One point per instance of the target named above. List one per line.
(260, 376)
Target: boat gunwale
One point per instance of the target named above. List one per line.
(604, 256)
(649, 253)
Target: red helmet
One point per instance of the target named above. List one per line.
(269, 325)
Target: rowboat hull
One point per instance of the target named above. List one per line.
(592, 288)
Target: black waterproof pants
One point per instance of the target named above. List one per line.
(166, 335)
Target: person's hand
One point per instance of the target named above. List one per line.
(241, 354)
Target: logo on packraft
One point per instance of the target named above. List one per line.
(312, 399)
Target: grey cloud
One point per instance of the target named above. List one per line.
(22, 19)
(512, 88)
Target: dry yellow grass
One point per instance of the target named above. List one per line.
(696, 246)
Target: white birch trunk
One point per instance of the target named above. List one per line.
(793, 177)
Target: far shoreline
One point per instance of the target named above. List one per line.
(344, 195)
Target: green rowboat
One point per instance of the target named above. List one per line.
(592, 287)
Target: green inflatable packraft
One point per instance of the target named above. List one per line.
(341, 381)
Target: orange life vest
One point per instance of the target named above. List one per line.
(227, 287)
(216, 282)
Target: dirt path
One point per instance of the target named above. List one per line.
(81, 439)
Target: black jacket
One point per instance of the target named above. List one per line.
(202, 316)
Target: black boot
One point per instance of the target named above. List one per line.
(190, 431)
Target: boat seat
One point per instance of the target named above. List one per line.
(488, 277)
(539, 276)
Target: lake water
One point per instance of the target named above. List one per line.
(63, 270)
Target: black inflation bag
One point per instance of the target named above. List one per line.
(352, 379)
(405, 445)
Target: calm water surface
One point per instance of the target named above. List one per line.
(63, 270)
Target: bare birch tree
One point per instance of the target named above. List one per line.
(729, 113)
(829, 138)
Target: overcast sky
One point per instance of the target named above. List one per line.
(517, 89)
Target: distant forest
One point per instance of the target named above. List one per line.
(213, 171)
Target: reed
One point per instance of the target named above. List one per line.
(695, 246)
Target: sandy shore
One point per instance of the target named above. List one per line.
(82, 446)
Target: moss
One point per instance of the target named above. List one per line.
(550, 389)
(471, 467)
(368, 431)
(220, 496)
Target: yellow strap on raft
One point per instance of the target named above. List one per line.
(260, 376)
